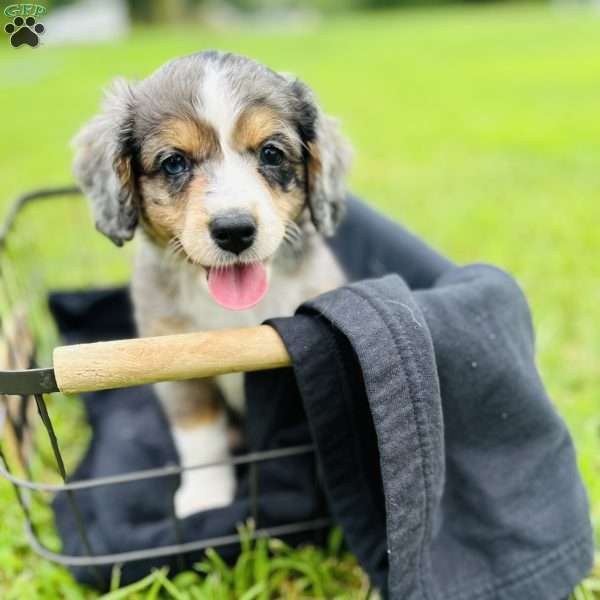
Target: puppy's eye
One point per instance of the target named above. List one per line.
(271, 155)
(175, 164)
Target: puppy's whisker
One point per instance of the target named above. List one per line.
(293, 236)
(252, 256)
(220, 261)
(175, 251)
(174, 246)
(292, 229)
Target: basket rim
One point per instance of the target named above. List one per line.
(171, 549)
(23, 200)
(168, 470)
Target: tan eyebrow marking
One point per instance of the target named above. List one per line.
(256, 124)
(198, 140)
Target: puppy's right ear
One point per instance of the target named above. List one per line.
(103, 164)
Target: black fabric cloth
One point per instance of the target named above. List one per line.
(440, 454)
(444, 460)
(368, 245)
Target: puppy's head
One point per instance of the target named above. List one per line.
(216, 157)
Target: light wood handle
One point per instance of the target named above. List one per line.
(124, 363)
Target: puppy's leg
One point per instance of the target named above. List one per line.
(199, 426)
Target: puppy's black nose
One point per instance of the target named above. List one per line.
(233, 233)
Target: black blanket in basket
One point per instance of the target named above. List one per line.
(441, 455)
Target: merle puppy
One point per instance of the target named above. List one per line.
(232, 174)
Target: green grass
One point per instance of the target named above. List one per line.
(476, 126)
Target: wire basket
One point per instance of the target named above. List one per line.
(47, 242)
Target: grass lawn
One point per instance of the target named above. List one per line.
(478, 127)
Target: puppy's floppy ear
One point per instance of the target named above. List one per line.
(328, 157)
(103, 164)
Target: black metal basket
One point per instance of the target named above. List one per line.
(44, 244)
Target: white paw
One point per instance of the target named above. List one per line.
(208, 487)
(204, 489)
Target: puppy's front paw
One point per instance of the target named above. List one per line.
(203, 489)
(207, 487)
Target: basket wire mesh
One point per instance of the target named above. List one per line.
(47, 242)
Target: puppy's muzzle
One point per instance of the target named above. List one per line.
(233, 232)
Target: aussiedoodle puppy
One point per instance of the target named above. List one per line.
(233, 175)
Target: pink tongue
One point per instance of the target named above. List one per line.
(238, 287)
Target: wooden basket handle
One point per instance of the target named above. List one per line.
(124, 363)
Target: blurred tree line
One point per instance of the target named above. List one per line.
(161, 11)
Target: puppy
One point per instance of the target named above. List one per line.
(232, 174)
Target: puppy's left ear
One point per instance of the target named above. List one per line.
(328, 158)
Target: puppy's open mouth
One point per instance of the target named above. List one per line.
(239, 286)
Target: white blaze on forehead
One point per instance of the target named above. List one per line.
(234, 183)
(217, 106)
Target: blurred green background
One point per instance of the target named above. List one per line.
(476, 125)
